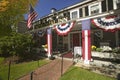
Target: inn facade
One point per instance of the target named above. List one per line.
(104, 18)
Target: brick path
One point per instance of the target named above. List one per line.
(50, 71)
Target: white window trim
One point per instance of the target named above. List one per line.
(99, 3)
(114, 4)
(74, 11)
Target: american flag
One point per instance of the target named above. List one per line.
(31, 16)
(49, 41)
(86, 41)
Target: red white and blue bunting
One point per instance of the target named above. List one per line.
(64, 28)
(49, 41)
(86, 41)
(41, 33)
(111, 23)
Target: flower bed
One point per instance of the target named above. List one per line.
(105, 52)
(105, 55)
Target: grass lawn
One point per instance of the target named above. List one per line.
(18, 70)
(1, 59)
(76, 73)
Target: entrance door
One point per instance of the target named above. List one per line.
(76, 39)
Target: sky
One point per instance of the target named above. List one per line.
(43, 7)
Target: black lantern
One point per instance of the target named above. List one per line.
(53, 10)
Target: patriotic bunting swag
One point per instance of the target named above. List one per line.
(41, 32)
(110, 23)
(63, 29)
(86, 41)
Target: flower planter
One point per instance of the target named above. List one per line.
(105, 55)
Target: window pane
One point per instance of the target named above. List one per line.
(80, 12)
(86, 11)
(95, 9)
(74, 15)
(68, 15)
(110, 4)
(104, 6)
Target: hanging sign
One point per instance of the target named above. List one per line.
(111, 23)
(64, 28)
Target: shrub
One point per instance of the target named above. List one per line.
(16, 44)
(98, 49)
(116, 50)
(93, 47)
(106, 48)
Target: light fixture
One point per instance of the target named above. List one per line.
(53, 10)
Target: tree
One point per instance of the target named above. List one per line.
(16, 44)
(3, 5)
(11, 12)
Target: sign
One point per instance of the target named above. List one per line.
(77, 50)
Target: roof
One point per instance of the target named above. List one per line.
(69, 7)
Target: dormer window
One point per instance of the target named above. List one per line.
(95, 8)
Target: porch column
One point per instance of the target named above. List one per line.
(86, 41)
(49, 42)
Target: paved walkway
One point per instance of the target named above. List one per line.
(50, 71)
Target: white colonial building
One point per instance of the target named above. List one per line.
(68, 25)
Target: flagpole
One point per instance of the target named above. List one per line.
(33, 26)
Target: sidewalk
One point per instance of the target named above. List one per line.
(50, 71)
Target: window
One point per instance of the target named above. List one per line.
(67, 15)
(110, 4)
(74, 15)
(86, 11)
(80, 12)
(94, 9)
(104, 8)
